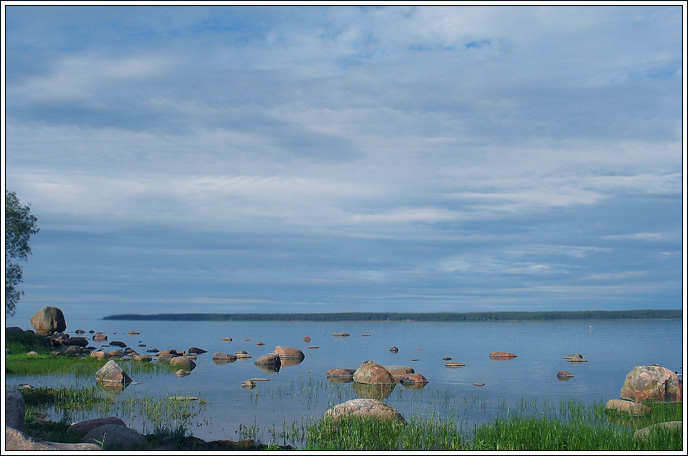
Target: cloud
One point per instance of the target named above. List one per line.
(412, 148)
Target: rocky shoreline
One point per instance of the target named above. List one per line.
(373, 383)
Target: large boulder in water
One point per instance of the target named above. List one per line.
(288, 353)
(652, 383)
(364, 408)
(372, 373)
(112, 375)
(269, 359)
(47, 320)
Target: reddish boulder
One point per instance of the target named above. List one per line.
(652, 383)
(502, 355)
(288, 353)
(371, 373)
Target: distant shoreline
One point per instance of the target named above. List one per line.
(646, 314)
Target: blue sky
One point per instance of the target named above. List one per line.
(342, 158)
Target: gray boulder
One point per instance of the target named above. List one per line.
(84, 427)
(667, 426)
(630, 407)
(18, 441)
(15, 409)
(269, 359)
(365, 408)
(117, 437)
(112, 375)
(47, 320)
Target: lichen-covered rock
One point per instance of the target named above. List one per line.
(372, 373)
(364, 408)
(48, 319)
(630, 407)
(652, 383)
(288, 353)
(117, 437)
(111, 374)
(15, 409)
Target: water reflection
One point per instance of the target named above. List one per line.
(378, 392)
(269, 368)
(286, 362)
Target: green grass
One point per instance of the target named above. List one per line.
(17, 362)
(529, 426)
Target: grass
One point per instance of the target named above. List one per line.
(530, 425)
(47, 362)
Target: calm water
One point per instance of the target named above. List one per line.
(302, 391)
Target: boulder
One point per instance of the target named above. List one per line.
(399, 371)
(394, 349)
(18, 441)
(118, 343)
(167, 352)
(337, 373)
(371, 373)
(652, 383)
(575, 358)
(227, 339)
(667, 425)
(630, 407)
(111, 374)
(15, 409)
(197, 351)
(115, 354)
(413, 379)
(224, 357)
(79, 341)
(84, 427)
(142, 358)
(99, 337)
(183, 363)
(98, 355)
(364, 408)
(117, 437)
(502, 355)
(288, 353)
(341, 334)
(269, 359)
(564, 375)
(48, 319)
(454, 364)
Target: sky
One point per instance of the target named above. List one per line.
(271, 159)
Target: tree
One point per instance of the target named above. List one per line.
(20, 225)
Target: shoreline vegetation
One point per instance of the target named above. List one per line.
(649, 314)
(168, 425)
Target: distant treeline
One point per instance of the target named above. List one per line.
(662, 314)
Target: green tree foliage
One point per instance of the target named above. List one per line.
(20, 225)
